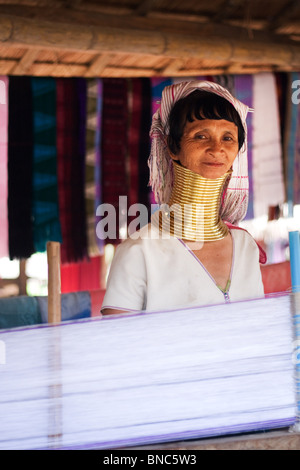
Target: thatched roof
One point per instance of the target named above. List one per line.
(127, 38)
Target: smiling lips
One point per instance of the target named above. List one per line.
(214, 164)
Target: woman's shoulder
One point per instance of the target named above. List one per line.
(136, 240)
(246, 240)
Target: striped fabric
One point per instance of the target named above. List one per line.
(267, 151)
(70, 115)
(243, 91)
(114, 147)
(292, 144)
(90, 163)
(98, 165)
(20, 149)
(3, 166)
(45, 210)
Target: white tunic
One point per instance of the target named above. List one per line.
(156, 274)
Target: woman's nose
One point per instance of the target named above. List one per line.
(216, 146)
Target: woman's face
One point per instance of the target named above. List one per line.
(208, 147)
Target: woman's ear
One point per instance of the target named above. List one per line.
(173, 156)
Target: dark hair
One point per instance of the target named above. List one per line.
(200, 104)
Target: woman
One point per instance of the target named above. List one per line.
(192, 253)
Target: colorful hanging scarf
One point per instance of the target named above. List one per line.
(140, 112)
(243, 91)
(78, 176)
(292, 143)
(20, 154)
(267, 153)
(145, 143)
(98, 167)
(114, 147)
(134, 112)
(70, 163)
(235, 201)
(3, 166)
(45, 209)
(90, 163)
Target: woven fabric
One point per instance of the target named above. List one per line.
(135, 113)
(70, 163)
(20, 167)
(90, 164)
(3, 166)
(98, 166)
(292, 146)
(243, 91)
(114, 147)
(45, 210)
(267, 151)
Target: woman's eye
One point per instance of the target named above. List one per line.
(200, 136)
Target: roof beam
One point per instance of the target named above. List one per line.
(144, 7)
(211, 42)
(227, 8)
(288, 11)
(24, 64)
(98, 65)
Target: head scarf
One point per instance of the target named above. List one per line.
(235, 200)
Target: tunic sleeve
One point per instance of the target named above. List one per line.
(126, 283)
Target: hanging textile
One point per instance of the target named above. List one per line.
(140, 114)
(78, 176)
(3, 166)
(292, 143)
(90, 163)
(267, 155)
(226, 81)
(20, 149)
(114, 152)
(243, 91)
(145, 143)
(98, 167)
(70, 115)
(134, 111)
(46, 224)
(84, 275)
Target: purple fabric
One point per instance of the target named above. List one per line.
(243, 91)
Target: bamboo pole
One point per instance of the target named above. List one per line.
(54, 283)
(206, 44)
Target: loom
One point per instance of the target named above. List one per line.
(190, 378)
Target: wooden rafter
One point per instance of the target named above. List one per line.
(288, 11)
(98, 65)
(227, 8)
(144, 7)
(233, 47)
(24, 65)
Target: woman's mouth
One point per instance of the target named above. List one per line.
(213, 164)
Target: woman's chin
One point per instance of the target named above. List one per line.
(212, 171)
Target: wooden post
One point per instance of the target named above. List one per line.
(54, 283)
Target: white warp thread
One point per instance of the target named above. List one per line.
(148, 378)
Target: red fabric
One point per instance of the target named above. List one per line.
(276, 277)
(97, 297)
(133, 140)
(114, 145)
(85, 275)
(262, 253)
(70, 159)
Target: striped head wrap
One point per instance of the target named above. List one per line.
(235, 199)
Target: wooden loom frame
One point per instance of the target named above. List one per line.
(54, 282)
